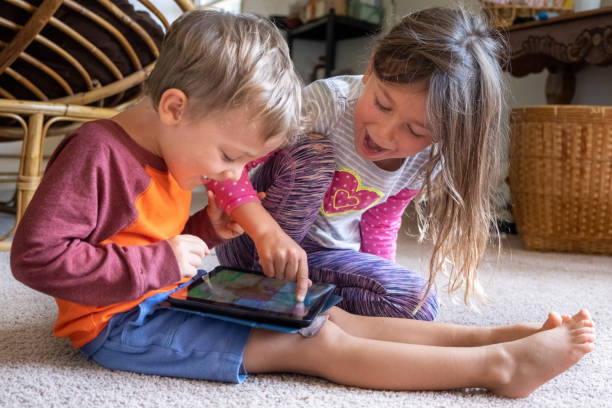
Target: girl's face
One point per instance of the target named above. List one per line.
(390, 121)
(216, 147)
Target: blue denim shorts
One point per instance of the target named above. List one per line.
(173, 343)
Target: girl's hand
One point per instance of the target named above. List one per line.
(282, 258)
(189, 251)
(224, 225)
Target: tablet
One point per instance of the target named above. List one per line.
(252, 296)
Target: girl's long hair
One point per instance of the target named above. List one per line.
(460, 57)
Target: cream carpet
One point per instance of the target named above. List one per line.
(37, 369)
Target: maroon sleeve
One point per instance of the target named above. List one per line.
(86, 196)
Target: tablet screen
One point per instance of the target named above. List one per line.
(227, 286)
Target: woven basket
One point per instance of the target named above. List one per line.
(561, 177)
(503, 15)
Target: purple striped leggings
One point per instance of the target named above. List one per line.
(295, 180)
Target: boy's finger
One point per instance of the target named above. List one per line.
(302, 281)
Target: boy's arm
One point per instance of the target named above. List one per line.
(80, 203)
(381, 223)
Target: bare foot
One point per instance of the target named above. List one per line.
(528, 363)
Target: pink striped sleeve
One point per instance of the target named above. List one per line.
(231, 194)
(381, 223)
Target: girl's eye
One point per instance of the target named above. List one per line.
(380, 107)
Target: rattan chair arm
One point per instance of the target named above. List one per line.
(129, 81)
(26, 83)
(43, 67)
(55, 109)
(132, 24)
(109, 27)
(55, 48)
(30, 31)
(155, 11)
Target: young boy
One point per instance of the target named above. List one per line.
(109, 227)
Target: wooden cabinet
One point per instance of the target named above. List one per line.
(562, 45)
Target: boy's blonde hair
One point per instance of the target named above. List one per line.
(223, 61)
(458, 55)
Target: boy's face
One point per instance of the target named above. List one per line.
(390, 122)
(215, 147)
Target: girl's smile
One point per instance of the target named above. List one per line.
(390, 121)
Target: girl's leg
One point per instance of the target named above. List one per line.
(434, 333)
(512, 369)
(295, 181)
(371, 285)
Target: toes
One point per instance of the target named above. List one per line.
(582, 323)
(586, 347)
(588, 323)
(583, 335)
(583, 314)
(554, 320)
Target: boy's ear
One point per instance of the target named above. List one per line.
(172, 106)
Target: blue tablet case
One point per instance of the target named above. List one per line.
(153, 302)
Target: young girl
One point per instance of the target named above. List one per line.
(427, 120)
(108, 233)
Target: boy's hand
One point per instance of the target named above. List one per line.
(281, 257)
(224, 225)
(189, 251)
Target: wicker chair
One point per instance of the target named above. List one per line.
(68, 61)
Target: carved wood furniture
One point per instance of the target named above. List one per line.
(563, 45)
(68, 61)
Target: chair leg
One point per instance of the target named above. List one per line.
(29, 170)
(31, 163)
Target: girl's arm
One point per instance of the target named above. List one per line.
(279, 255)
(381, 223)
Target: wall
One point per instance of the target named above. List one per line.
(593, 87)
(593, 84)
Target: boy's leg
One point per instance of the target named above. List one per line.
(295, 181)
(371, 285)
(512, 369)
(172, 343)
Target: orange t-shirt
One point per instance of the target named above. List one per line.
(94, 235)
(157, 220)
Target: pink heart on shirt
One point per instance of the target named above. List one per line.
(347, 195)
